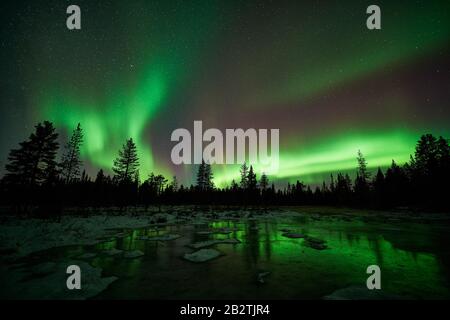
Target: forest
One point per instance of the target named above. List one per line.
(37, 183)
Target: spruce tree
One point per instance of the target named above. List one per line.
(209, 184)
(174, 184)
(100, 177)
(204, 177)
(127, 163)
(244, 176)
(201, 183)
(378, 184)
(363, 173)
(234, 187)
(332, 185)
(71, 162)
(426, 155)
(251, 179)
(264, 182)
(160, 182)
(33, 163)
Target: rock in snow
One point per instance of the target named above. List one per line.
(315, 243)
(202, 255)
(262, 275)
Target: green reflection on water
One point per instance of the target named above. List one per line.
(296, 270)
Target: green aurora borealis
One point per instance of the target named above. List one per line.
(144, 68)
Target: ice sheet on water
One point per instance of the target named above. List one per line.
(202, 244)
(202, 255)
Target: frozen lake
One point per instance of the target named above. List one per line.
(259, 262)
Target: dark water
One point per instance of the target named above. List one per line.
(414, 259)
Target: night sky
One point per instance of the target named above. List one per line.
(312, 69)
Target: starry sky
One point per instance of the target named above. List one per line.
(312, 69)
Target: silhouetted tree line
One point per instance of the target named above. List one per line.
(36, 182)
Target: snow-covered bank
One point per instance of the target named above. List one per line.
(20, 237)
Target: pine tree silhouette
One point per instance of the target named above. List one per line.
(126, 163)
(396, 185)
(429, 170)
(100, 177)
(201, 182)
(205, 177)
(362, 167)
(379, 189)
(71, 162)
(174, 184)
(209, 184)
(159, 184)
(264, 182)
(425, 156)
(244, 176)
(251, 180)
(34, 162)
(32, 170)
(361, 187)
(263, 185)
